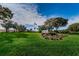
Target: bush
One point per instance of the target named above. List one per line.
(53, 36)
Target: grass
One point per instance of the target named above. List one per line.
(33, 44)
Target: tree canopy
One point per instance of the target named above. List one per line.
(56, 22)
(5, 13)
(74, 27)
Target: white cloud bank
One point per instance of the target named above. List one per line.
(25, 13)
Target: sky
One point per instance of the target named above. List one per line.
(40, 12)
(63, 9)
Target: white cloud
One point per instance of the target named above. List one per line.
(53, 16)
(74, 19)
(25, 13)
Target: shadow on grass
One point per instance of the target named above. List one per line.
(9, 36)
(74, 33)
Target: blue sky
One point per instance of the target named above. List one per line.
(40, 12)
(63, 9)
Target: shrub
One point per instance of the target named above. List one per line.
(53, 36)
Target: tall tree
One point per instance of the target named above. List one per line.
(5, 15)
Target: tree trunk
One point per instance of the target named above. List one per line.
(6, 30)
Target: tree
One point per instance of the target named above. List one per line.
(42, 27)
(35, 26)
(56, 23)
(74, 27)
(7, 25)
(15, 26)
(21, 28)
(5, 13)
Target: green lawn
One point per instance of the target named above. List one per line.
(33, 44)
